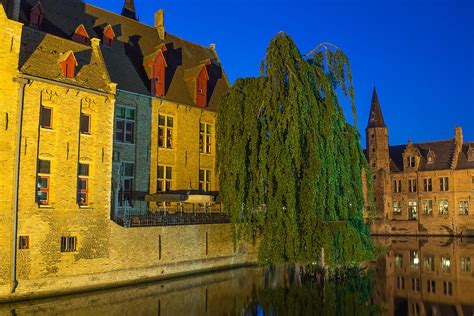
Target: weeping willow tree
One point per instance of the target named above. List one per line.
(290, 165)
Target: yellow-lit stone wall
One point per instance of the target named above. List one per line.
(185, 156)
(10, 38)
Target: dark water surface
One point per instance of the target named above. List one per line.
(417, 276)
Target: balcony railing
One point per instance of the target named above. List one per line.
(169, 217)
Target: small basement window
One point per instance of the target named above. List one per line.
(68, 244)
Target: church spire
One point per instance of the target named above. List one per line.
(129, 10)
(376, 117)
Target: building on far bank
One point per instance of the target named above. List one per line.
(420, 188)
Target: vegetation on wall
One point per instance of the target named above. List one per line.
(290, 164)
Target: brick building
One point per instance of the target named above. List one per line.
(423, 188)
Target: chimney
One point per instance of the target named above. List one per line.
(458, 139)
(160, 23)
(213, 47)
(95, 42)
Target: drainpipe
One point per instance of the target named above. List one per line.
(22, 83)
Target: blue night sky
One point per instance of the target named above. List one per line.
(418, 53)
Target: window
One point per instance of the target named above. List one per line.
(125, 125)
(399, 260)
(36, 16)
(83, 185)
(444, 184)
(411, 162)
(68, 244)
(165, 178)
(431, 286)
(46, 117)
(85, 123)
(447, 288)
(205, 132)
(125, 193)
(428, 184)
(464, 207)
(412, 185)
(68, 65)
(466, 264)
(397, 207)
(412, 209)
(415, 284)
(81, 36)
(165, 131)
(42, 182)
(429, 264)
(414, 259)
(443, 207)
(397, 186)
(428, 207)
(205, 180)
(446, 264)
(24, 242)
(108, 36)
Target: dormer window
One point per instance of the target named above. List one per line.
(155, 66)
(411, 162)
(81, 36)
(196, 80)
(431, 157)
(201, 87)
(470, 153)
(36, 16)
(108, 36)
(68, 65)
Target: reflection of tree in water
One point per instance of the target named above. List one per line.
(314, 291)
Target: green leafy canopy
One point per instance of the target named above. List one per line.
(290, 165)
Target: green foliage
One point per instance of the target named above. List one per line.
(290, 165)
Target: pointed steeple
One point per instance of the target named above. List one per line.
(129, 10)
(375, 117)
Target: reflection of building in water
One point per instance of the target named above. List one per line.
(420, 276)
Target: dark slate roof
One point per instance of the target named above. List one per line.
(375, 117)
(463, 162)
(41, 53)
(134, 40)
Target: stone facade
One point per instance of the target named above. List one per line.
(425, 188)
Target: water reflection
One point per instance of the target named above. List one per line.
(417, 276)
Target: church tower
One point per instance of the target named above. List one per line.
(378, 156)
(128, 10)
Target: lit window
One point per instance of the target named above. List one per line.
(205, 180)
(414, 259)
(399, 260)
(428, 207)
(443, 207)
(444, 184)
(68, 244)
(24, 242)
(165, 131)
(397, 207)
(205, 132)
(125, 125)
(464, 207)
(165, 178)
(446, 264)
(46, 117)
(412, 212)
(428, 184)
(466, 264)
(85, 123)
(42, 182)
(83, 185)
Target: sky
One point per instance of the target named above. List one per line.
(418, 53)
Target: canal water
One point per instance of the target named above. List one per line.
(415, 276)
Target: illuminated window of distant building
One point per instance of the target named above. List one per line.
(399, 260)
(443, 207)
(414, 259)
(429, 264)
(397, 207)
(165, 131)
(428, 207)
(412, 209)
(466, 264)
(165, 178)
(205, 132)
(445, 264)
(464, 207)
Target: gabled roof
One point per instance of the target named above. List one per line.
(134, 41)
(375, 117)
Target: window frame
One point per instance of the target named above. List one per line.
(89, 124)
(50, 109)
(165, 141)
(463, 207)
(24, 242)
(127, 179)
(68, 244)
(397, 186)
(444, 184)
(443, 208)
(412, 186)
(205, 182)
(164, 181)
(428, 202)
(128, 128)
(428, 184)
(397, 207)
(205, 138)
(46, 175)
